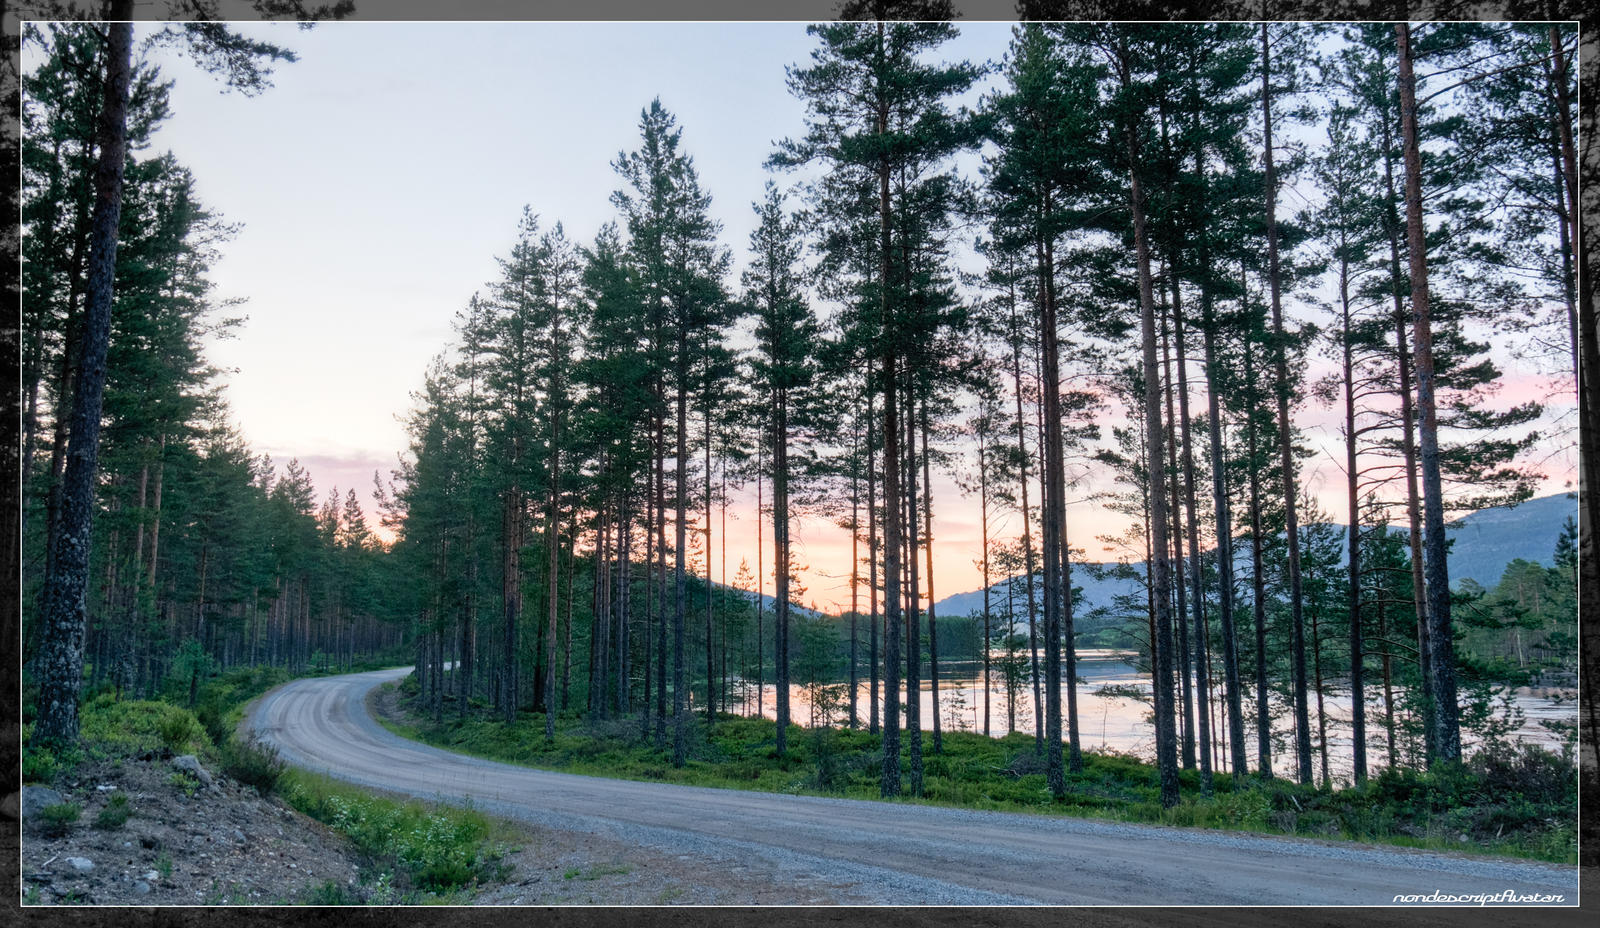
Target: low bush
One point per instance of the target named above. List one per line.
(58, 819)
(115, 813)
(134, 727)
(331, 893)
(253, 763)
(176, 731)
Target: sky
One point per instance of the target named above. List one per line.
(381, 175)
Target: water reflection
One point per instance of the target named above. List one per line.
(1114, 712)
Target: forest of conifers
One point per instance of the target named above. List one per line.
(1089, 267)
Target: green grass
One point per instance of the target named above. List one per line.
(1514, 802)
(439, 848)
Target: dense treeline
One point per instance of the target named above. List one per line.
(203, 554)
(1125, 250)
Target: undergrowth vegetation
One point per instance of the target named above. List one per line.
(1506, 799)
(416, 853)
(438, 849)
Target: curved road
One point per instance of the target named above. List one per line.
(891, 853)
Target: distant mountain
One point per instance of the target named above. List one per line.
(1489, 539)
(1485, 542)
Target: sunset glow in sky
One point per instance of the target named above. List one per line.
(380, 177)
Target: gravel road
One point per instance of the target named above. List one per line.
(884, 852)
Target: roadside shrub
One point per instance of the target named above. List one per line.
(135, 727)
(331, 893)
(253, 763)
(115, 814)
(39, 765)
(175, 730)
(211, 718)
(1526, 770)
(440, 850)
(56, 820)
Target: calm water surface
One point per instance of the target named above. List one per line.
(1111, 716)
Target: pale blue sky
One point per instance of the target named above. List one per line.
(383, 173)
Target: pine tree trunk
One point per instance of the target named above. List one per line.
(624, 599)
(1358, 707)
(660, 528)
(1166, 728)
(889, 784)
(780, 540)
(927, 548)
(63, 616)
(552, 542)
(510, 601)
(913, 594)
(1202, 645)
(855, 562)
(1027, 534)
(1180, 589)
(983, 530)
(1258, 583)
(761, 632)
(1441, 668)
(872, 561)
(1297, 646)
(1053, 495)
(711, 689)
(680, 744)
(649, 596)
(1408, 421)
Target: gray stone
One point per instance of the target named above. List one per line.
(151, 875)
(80, 864)
(34, 798)
(239, 836)
(190, 764)
(141, 888)
(11, 806)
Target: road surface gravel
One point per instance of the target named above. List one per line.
(887, 853)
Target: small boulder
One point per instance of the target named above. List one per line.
(35, 798)
(80, 864)
(190, 764)
(151, 876)
(141, 888)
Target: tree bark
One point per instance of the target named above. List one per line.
(1297, 647)
(64, 614)
(1441, 654)
(1160, 545)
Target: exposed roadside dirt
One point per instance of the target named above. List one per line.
(181, 845)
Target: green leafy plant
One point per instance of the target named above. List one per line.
(176, 729)
(115, 813)
(253, 763)
(185, 782)
(56, 820)
(331, 893)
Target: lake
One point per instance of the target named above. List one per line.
(1111, 717)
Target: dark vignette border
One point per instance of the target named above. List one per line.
(12, 13)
